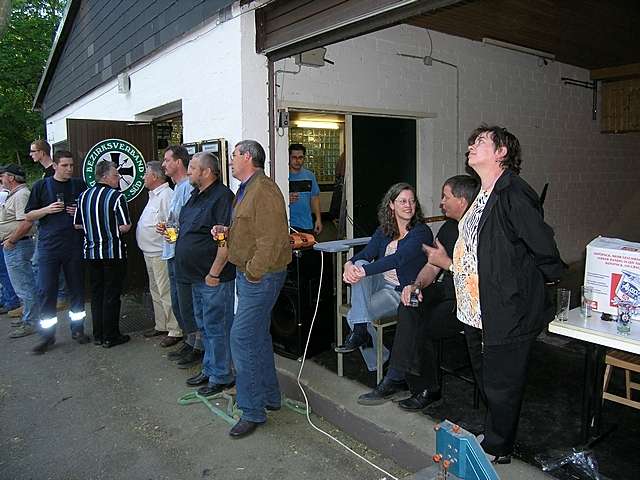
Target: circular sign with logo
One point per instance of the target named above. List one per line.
(129, 162)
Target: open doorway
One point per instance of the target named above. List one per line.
(384, 153)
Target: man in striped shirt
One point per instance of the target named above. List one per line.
(103, 215)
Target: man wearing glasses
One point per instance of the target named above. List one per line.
(258, 245)
(41, 152)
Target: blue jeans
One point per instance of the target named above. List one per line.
(213, 311)
(251, 345)
(182, 306)
(9, 298)
(18, 262)
(372, 298)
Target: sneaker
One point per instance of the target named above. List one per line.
(43, 346)
(23, 330)
(16, 312)
(16, 322)
(80, 337)
(383, 392)
(420, 401)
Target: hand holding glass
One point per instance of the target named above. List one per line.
(219, 234)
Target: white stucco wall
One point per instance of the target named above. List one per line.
(211, 71)
(591, 175)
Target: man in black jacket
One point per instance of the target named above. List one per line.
(503, 257)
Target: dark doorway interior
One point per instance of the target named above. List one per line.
(384, 153)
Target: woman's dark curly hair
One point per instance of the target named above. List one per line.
(501, 138)
(386, 217)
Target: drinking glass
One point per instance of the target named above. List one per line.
(625, 311)
(586, 298)
(563, 297)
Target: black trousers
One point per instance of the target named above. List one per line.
(417, 331)
(107, 279)
(501, 374)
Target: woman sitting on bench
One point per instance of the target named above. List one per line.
(391, 260)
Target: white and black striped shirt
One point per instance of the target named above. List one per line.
(101, 210)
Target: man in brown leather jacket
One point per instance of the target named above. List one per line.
(258, 243)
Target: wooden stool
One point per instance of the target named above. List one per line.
(629, 362)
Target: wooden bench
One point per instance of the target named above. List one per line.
(629, 362)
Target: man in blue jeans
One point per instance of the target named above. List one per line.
(16, 234)
(258, 243)
(202, 264)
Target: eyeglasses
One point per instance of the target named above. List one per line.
(404, 201)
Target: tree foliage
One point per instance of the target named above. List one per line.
(24, 49)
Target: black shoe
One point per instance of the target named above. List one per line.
(420, 401)
(214, 388)
(243, 428)
(501, 459)
(272, 408)
(352, 343)
(153, 333)
(181, 352)
(190, 358)
(80, 337)
(116, 341)
(43, 346)
(98, 341)
(196, 380)
(383, 392)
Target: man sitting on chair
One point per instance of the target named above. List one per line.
(413, 356)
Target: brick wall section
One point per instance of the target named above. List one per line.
(593, 177)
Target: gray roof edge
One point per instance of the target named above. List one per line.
(58, 43)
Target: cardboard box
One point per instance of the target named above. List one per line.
(613, 270)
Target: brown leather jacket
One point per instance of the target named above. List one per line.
(258, 238)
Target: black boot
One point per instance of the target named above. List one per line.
(356, 339)
(383, 392)
(420, 401)
(44, 345)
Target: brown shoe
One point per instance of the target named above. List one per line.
(153, 333)
(170, 341)
(16, 312)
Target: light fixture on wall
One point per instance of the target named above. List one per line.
(312, 58)
(545, 56)
(316, 124)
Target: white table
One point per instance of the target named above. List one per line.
(339, 247)
(598, 335)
